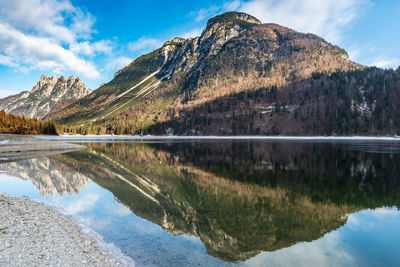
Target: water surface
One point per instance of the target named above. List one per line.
(227, 202)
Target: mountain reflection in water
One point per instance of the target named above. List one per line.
(239, 198)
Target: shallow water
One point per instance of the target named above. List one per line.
(240, 202)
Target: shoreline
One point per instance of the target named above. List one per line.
(32, 233)
(165, 137)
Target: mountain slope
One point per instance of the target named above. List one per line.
(47, 93)
(234, 54)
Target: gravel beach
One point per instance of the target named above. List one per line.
(33, 234)
(26, 143)
(14, 146)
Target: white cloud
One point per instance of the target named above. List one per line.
(383, 212)
(382, 62)
(48, 35)
(90, 49)
(372, 56)
(51, 18)
(145, 44)
(316, 253)
(205, 13)
(83, 203)
(118, 63)
(230, 6)
(39, 51)
(7, 61)
(116, 208)
(192, 33)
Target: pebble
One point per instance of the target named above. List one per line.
(33, 234)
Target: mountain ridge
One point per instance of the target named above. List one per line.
(44, 95)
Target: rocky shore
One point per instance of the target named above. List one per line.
(33, 234)
(22, 146)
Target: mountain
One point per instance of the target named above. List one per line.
(241, 77)
(48, 93)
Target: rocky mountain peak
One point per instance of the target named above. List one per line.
(43, 77)
(188, 54)
(233, 17)
(226, 26)
(71, 81)
(78, 83)
(43, 84)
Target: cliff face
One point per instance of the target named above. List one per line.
(46, 93)
(238, 74)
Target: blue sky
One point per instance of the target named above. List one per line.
(93, 39)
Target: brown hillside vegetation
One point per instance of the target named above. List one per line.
(20, 125)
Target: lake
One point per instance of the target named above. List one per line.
(227, 202)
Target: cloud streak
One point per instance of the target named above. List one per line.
(144, 44)
(117, 63)
(385, 63)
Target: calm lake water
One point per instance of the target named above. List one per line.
(227, 202)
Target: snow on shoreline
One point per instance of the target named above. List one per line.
(289, 138)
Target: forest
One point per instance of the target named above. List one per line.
(10, 123)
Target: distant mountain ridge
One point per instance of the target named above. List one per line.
(45, 94)
(241, 77)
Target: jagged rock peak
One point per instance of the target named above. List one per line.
(45, 94)
(233, 17)
(78, 83)
(71, 81)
